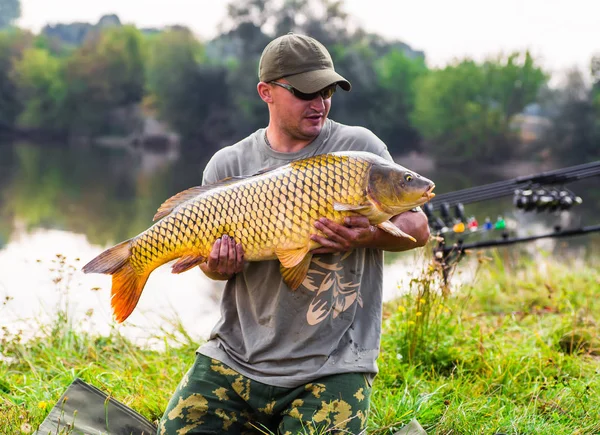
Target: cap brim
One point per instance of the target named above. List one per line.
(313, 81)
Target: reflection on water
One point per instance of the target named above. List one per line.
(33, 276)
(76, 202)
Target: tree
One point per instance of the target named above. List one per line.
(396, 75)
(595, 69)
(39, 78)
(107, 72)
(188, 92)
(10, 10)
(12, 44)
(464, 111)
(324, 20)
(574, 136)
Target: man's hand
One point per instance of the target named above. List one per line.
(225, 260)
(359, 233)
(356, 232)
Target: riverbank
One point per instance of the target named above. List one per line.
(515, 351)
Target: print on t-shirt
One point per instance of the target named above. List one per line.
(333, 295)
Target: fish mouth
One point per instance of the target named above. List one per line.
(429, 193)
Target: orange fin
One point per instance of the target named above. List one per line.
(393, 229)
(187, 262)
(127, 288)
(291, 257)
(110, 260)
(127, 285)
(294, 276)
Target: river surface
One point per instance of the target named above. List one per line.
(60, 206)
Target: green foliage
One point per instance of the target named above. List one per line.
(107, 72)
(12, 44)
(82, 79)
(464, 110)
(362, 106)
(10, 10)
(574, 135)
(396, 75)
(187, 92)
(595, 70)
(495, 355)
(42, 89)
(59, 353)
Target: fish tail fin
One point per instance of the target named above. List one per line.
(127, 284)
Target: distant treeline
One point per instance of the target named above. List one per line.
(78, 80)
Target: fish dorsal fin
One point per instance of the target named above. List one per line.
(294, 276)
(170, 204)
(179, 198)
(291, 257)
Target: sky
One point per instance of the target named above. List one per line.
(561, 34)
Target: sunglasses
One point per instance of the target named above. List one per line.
(324, 93)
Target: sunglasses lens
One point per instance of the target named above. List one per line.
(327, 92)
(303, 96)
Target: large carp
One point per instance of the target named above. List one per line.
(271, 214)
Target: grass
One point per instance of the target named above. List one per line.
(515, 351)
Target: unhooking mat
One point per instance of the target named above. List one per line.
(85, 410)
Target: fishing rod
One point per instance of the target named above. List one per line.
(460, 247)
(508, 187)
(544, 191)
(540, 192)
(449, 255)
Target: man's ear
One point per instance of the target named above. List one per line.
(264, 91)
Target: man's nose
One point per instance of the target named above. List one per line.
(317, 103)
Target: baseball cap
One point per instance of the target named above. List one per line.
(303, 61)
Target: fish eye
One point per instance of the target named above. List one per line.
(408, 177)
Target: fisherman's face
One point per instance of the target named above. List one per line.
(300, 119)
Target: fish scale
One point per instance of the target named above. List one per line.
(271, 214)
(295, 193)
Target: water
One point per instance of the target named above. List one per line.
(61, 206)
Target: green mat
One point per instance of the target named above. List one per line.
(84, 409)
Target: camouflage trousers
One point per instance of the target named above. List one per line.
(212, 398)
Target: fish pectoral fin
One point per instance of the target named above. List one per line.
(338, 206)
(187, 262)
(389, 227)
(291, 257)
(294, 276)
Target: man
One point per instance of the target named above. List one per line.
(293, 361)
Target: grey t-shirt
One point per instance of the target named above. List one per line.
(331, 324)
